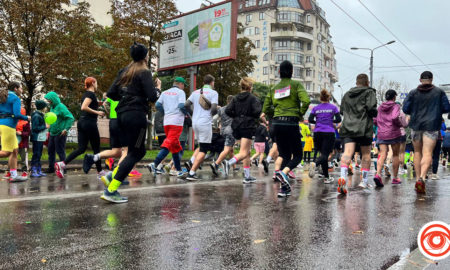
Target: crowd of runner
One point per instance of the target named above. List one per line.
(411, 135)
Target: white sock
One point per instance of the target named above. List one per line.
(268, 159)
(13, 173)
(96, 157)
(191, 172)
(192, 159)
(344, 171)
(160, 166)
(232, 161)
(247, 172)
(365, 174)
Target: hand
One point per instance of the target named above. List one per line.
(19, 133)
(100, 113)
(158, 83)
(29, 118)
(64, 133)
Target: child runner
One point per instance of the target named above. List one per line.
(87, 128)
(38, 137)
(359, 106)
(261, 136)
(23, 131)
(308, 148)
(245, 110)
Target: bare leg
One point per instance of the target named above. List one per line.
(418, 158)
(381, 158)
(427, 153)
(395, 158)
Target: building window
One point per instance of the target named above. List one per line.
(297, 72)
(308, 72)
(308, 18)
(257, 43)
(248, 18)
(298, 58)
(261, 15)
(298, 45)
(256, 30)
(250, 3)
(309, 46)
(240, 6)
(249, 31)
(266, 57)
(264, 2)
(308, 86)
(308, 59)
(283, 16)
(265, 70)
(281, 57)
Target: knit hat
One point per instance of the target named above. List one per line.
(40, 104)
(138, 52)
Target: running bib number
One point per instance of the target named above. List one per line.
(282, 93)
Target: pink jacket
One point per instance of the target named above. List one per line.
(389, 120)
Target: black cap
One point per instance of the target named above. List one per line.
(40, 104)
(138, 52)
(426, 75)
(390, 94)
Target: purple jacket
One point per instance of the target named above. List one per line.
(389, 121)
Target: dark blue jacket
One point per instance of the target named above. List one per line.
(446, 143)
(37, 124)
(425, 105)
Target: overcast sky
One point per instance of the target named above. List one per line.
(421, 25)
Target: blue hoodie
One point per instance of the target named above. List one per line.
(11, 107)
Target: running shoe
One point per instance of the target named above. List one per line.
(282, 178)
(378, 181)
(113, 197)
(188, 165)
(135, 173)
(100, 174)
(7, 175)
(249, 180)
(236, 169)
(166, 168)
(291, 175)
(153, 170)
(110, 163)
(266, 166)
(350, 169)
(106, 179)
(25, 174)
(396, 181)
(226, 167)
(173, 173)
(434, 177)
(274, 177)
(59, 169)
(17, 179)
(88, 161)
(335, 163)
(357, 166)
(256, 162)
(182, 174)
(386, 171)
(364, 185)
(342, 186)
(312, 170)
(285, 190)
(260, 166)
(193, 177)
(420, 186)
(328, 180)
(214, 169)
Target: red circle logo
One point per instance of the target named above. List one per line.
(434, 240)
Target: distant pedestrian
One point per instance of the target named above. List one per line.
(38, 137)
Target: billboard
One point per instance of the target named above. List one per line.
(202, 36)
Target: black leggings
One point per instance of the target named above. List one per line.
(446, 151)
(324, 143)
(87, 133)
(133, 125)
(307, 156)
(288, 139)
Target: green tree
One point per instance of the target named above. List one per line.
(260, 90)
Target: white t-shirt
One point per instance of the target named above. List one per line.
(201, 116)
(170, 99)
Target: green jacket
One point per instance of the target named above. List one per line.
(65, 118)
(359, 107)
(296, 104)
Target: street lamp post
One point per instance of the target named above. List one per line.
(371, 57)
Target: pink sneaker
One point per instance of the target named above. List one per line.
(134, 173)
(291, 175)
(59, 169)
(396, 181)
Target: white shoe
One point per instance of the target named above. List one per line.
(328, 180)
(364, 185)
(434, 177)
(173, 173)
(312, 170)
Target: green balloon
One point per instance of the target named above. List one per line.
(50, 118)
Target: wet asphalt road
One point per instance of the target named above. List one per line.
(213, 224)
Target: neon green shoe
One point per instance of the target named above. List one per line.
(113, 197)
(106, 179)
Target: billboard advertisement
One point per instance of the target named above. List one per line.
(203, 36)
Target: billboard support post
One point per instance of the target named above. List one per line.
(193, 79)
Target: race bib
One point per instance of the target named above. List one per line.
(282, 93)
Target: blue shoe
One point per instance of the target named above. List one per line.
(34, 172)
(41, 174)
(249, 180)
(106, 179)
(113, 197)
(182, 174)
(153, 170)
(285, 190)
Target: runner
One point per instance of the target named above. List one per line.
(389, 122)
(259, 144)
(425, 105)
(437, 152)
(324, 116)
(245, 110)
(134, 88)
(205, 102)
(87, 128)
(290, 102)
(9, 116)
(446, 148)
(171, 104)
(359, 106)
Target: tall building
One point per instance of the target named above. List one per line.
(294, 30)
(99, 10)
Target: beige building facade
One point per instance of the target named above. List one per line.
(99, 10)
(294, 30)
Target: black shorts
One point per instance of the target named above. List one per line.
(246, 133)
(116, 138)
(409, 148)
(217, 143)
(271, 133)
(337, 144)
(360, 141)
(161, 139)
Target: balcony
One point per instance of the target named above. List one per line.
(288, 48)
(292, 34)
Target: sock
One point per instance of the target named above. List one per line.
(96, 157)
(160, 166)
(268, 159)
(192, 159)
(365, 174)
(344, 170)
(191, 172)
(247, 172)
(13, 173)
(406, 158)
(114, 185)
(233, 160)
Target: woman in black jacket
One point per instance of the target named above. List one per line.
(245, 110)
(134, 89)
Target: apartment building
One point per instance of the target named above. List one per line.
(99, 10)
(294, 30)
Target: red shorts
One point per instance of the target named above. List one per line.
(172, 141)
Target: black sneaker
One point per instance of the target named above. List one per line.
(226, 168)
(285, 190)
(249, 180)
(214, 168)
(281, 178)
(88, 161)
(266, 166)
(193, 177)
(188, 165)
(255, 161)
(50, 170)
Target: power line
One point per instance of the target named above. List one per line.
(355, 21)
(353, 77)
(432, 64)
(395, 36)
(349, 52)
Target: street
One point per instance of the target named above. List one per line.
(53, 223)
